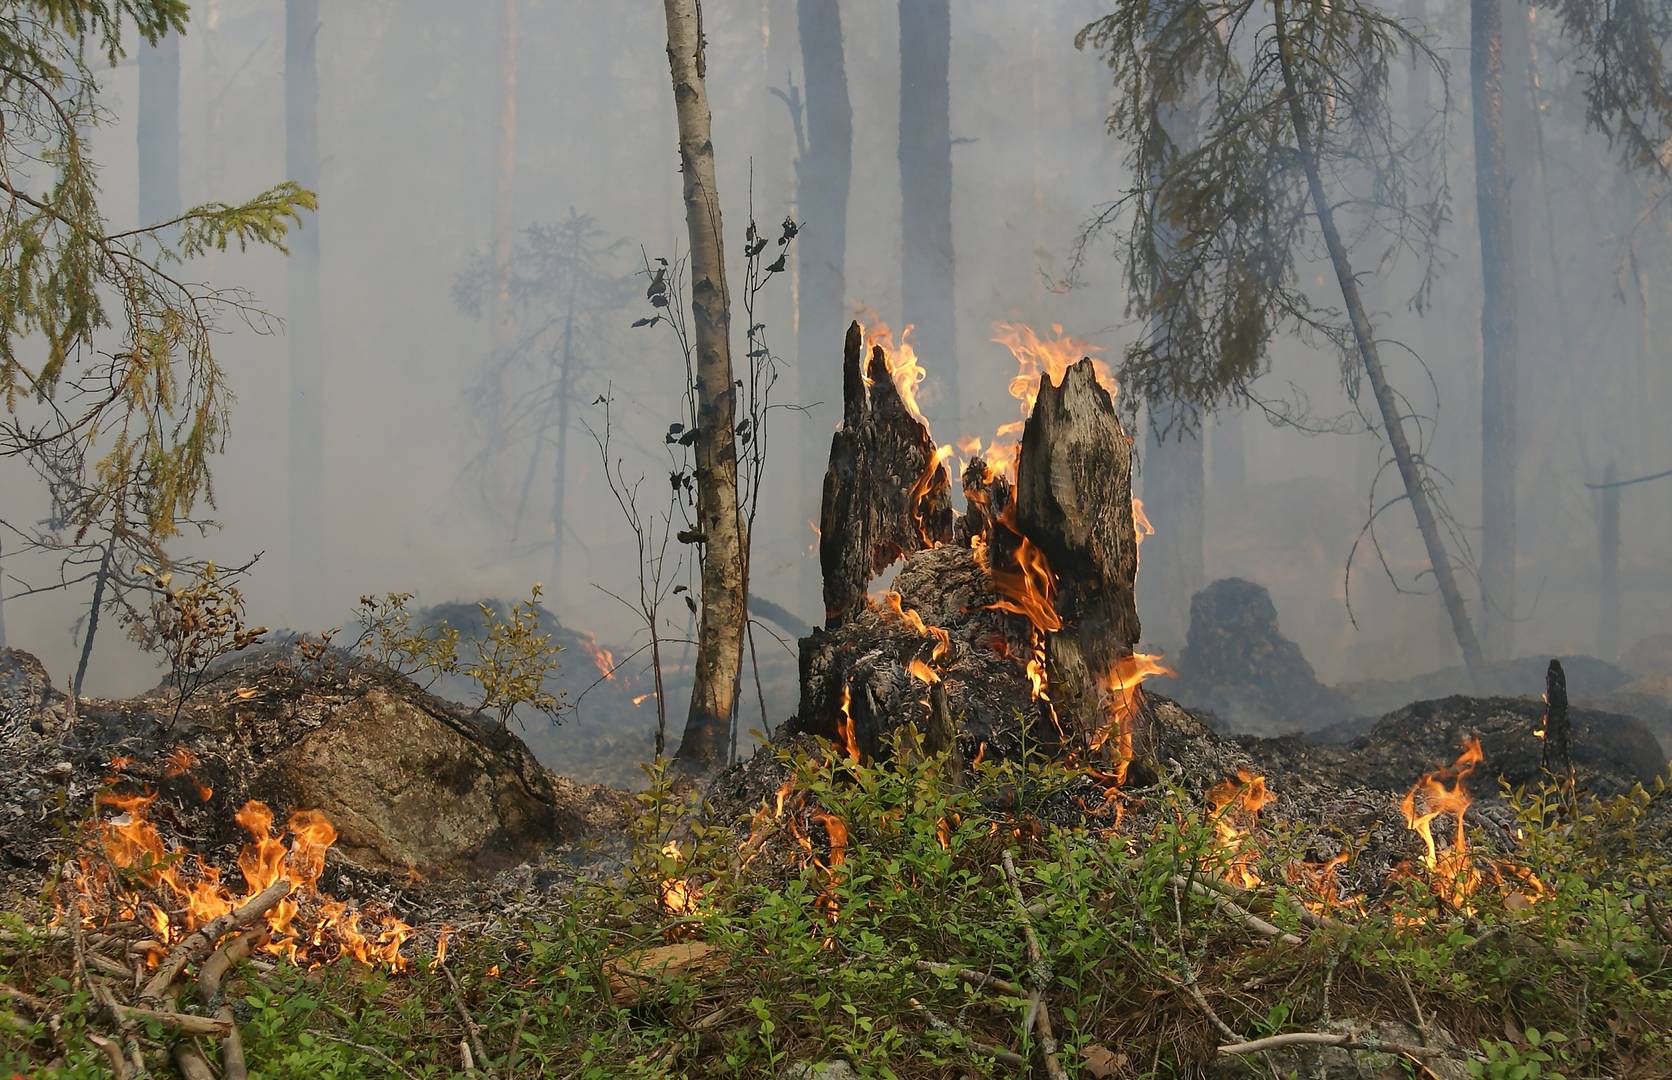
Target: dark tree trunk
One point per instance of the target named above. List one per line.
(926, 281)
(886, 494)
(1557, 730)
(1608, 574)
(302, 328)
(822, 178)
(1173, 571)
(93, 608)
(159, 130)
(1497, 329)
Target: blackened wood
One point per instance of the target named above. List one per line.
(1074, 502)
(986, 498)
(1558, 754)
(885, 496)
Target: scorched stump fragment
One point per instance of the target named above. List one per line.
(886, 493)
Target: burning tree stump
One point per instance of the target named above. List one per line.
(1074, 502)
(886, 492)
(1015, 621)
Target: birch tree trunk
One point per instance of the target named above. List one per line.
(1364, 339)
(302, 328)
(1497, 329)
(719, 658)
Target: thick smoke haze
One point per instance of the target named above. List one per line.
(409, 107)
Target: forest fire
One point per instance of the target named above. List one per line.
(1233, 806)
(1455, 874)
(127, 871)
(678, 894)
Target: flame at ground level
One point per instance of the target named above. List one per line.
(127, 871)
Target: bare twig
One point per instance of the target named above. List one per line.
(1345, 1042)
(1039, 975)
(200, 942)
(969, 975)
(474, 1032)
(1241, 915)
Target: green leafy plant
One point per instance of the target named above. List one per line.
(388, 636)
(513, 661)
(192, 626)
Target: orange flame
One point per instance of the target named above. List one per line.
(1452, 872)
(844, 727)
(903, 365)
(1233, 806)
(191, 893)
(602, 658)
(679, 895)
(1121, 685)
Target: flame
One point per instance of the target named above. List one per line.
(602, 658)
(1035, 357)
(1030, 589)
(1452, 873)
(189, 893)
(640, 699)
(903, 366)
(837, 831)
(934, 480)
(1141, 526)
(890, 601)
(1233, 805)
(923, 672)
(844, 727)
(1122, 695)
(1322, 881)
(679, 895)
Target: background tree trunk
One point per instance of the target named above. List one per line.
(505, 169)
(719, 659)
(1173, 567)
(302, 329)
(159, 130)
(822, 178)
(1497, 330)
(926, 280)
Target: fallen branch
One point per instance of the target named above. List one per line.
(191, 1062)
(470, 1027)
(199, 943)
(183, 1023)
(1344, 1042)
(970, 975)
(1240, 914)
(1039, 974)
(209, 979)
(1004, 1057)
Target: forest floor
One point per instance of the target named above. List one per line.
(881, 920)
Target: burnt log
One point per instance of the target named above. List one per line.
(886, 492)
(1074, 503)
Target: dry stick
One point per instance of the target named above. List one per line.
(183, 1023)
(470, 1027)
(1345, 1042)
(112, 1051)
(1038, 973)
(191, 1063)
(209, 978)
(1230, 907)
(516, 1046)
(1305, 914)
(998, 1054)
(200, 942)
(970, 975)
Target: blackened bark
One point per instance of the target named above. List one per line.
(1558, 754)
(926, 282)
(1074, 502)
(885, 493)
(302, 327)
(1497, 329)
(822, 178)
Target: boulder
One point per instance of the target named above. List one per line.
(1238, 666)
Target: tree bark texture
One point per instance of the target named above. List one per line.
(1074, 502)
(822, 177)
(1364, 338)
(302, 328)
(926, 281)
(1497, 329)
(719, 657)
(885, 492)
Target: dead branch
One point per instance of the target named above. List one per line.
(1345, 1042)
(969, 975)
(1003, 1057)
(470, 1027)
(200, 942)
(1039, 974)
(1241, 915)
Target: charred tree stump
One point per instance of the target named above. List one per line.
(886, 494)
(1074, 503)
(1558, 753)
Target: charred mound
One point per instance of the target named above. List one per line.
(414, 785)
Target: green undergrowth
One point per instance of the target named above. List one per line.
(806, 956)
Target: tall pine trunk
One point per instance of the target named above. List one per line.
(926, 281)
(302, 329)
(822, 179)
(1364, 341)
(505, 168)
(719, 660)
(1497, 329)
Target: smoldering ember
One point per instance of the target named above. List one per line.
(1100, 539)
